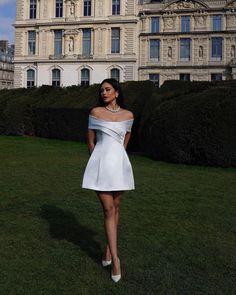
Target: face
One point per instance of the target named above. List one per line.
(108, 93)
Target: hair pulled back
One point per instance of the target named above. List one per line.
(116, 85)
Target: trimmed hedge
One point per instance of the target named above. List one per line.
(182, 122)
(194, 125)
(61, 123)
(54, 112)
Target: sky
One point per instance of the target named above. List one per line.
(7, 18)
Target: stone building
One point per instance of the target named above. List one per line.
(187, 40)
(71, 42)
(6, 65)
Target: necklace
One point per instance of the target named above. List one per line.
(113, 110)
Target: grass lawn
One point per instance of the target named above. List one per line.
(177, 232)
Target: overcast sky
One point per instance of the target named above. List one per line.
(7, 18)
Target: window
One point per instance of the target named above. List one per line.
(216, 48)
(115, 40)
(185, 23)
(184, 77)
(115, 74)
(59, 8)
(115, 7)
(155, 25)
(33, 8)
(155, 49)
(56, 77)
(86, 42)
(185, 49)
(31, 42)
(216, 77)
(87, 7)
(30, 78)
(84, 77)
(217, 23)
(58, 42)
(154, 78)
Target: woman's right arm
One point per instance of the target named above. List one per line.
(91, 140)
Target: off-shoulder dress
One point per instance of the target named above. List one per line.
(109, 168)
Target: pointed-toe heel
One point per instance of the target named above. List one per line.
(106, 263)
(116, 278)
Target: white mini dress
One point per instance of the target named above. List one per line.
(109, 168)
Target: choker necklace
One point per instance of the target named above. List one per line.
(113, 110)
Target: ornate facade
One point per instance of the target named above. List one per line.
(71, 42)
(6, 65)
(188, 40)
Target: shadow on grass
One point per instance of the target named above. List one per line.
(64, 226)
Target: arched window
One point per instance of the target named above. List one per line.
(30, 78)
(115, 74)
(85, 77)
(56, 77)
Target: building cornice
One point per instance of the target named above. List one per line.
(68, 61)
(209, 66)
(190, 34)
(36, 23)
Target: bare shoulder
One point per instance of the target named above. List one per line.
(96, 111)
(128, 115)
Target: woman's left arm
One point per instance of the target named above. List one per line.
(127, 138)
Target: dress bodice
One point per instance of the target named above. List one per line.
(117, 130)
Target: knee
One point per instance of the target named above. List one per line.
(109, 212)
(117, 208)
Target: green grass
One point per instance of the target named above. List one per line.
(177, 232)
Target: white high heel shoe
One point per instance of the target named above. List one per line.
(106, 263)
(116, 278)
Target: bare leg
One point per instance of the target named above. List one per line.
(110, 223)
(117, 199)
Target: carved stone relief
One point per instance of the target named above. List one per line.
(71, 44)
(100, 7)
(232, 52)
(184, 5)
(200, 20)
(169, 22)
(71, 32)
(72, 9)
(200, 52)
(231, 20)
(99, 34)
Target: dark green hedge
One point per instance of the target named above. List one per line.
(61, 123)
(195, 124)
(182, 122)
(62, 112)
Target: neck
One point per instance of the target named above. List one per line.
(112, 105)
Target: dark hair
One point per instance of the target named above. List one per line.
(116, 85)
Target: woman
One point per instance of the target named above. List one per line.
(109, 171)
